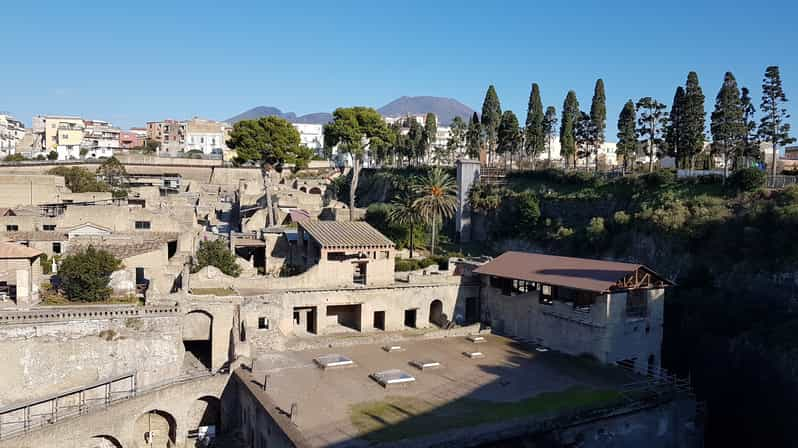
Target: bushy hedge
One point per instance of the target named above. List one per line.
(747, 179)
(404, 265)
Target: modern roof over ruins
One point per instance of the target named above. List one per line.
(345, 235)
(578, 273)
(12, 251)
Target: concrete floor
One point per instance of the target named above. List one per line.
(509, 372)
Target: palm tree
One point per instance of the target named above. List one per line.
(436, 198)
(405, 213)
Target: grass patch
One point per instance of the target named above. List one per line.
(397, 418)
(219, 292)
(58, 299)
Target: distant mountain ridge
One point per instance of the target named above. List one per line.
(445, 108)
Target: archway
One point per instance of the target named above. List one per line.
(204, 420)
(314, 190)
(103, 442)
(197, 340)
(436, 313)
(155, 429)
(303, 189)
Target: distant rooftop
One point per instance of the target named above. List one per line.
(16, 251)
(345, 235)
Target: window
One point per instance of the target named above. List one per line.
(546, 295)
(48, 227)
(56, 248)
(637, 303)
(142, 225)
(263, 323)
(12, 227)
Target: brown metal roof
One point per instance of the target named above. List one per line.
(578, 273)
(345, 235)
(11, 250)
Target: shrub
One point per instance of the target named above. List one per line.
(79, 180)
(403, 265)
(595, 229)
(215, 253)
(621, 218)
(658, 178)
(84, 276)
(747, 179)
(52, 155)
(15, 158)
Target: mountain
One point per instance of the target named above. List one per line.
(445, 108)
(268, 111)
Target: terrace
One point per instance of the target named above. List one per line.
(511, 384)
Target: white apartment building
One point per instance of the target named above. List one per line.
(207, 136)
(100, 139)
(11, 132)
(311, 135)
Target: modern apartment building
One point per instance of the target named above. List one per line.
(170, 134)
(100, 139)
(207, 136)
(133, 138)
(311, 135)
(11, 132)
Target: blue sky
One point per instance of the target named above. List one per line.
(129, 62)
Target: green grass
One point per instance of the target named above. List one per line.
(219, 292)
(397, 418)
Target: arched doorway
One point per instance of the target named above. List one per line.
(197, 340)
(155, 429)
(204, 420)
(303, 189)
(314, 190)
(436, 313)
(103, 442)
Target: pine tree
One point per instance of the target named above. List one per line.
(570, 115)
(535, 136)
(584, 136)
(549, 128)
(491, 118)
(627, 137)
(727, 122)
(430, 131)
(651, 127)
(751, 140)
(598, 117)
(474, 138)
(508, 136)
(673, 135)
(773, 126)
(693, 120)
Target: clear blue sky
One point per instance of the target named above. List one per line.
(150, 60)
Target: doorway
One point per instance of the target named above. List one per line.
(305, 319)
(436, 313)
(379, 320)
(197, 337)
(410, 318)
(359, 276)
(342, 318)
(471, 310)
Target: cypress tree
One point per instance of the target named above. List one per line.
(584, 135)
(598, 117)
(508, 136)
(751, 140)
(627, 133)
(491, 118)
(570, 115)
(693, 120)
(673, 136)
(474, 138)
(549, 128)
(535, 133)
(727, 122)
(430, 131)
(773, 126)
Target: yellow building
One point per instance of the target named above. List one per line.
(64, 135)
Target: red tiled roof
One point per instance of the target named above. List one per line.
(578, 273)
(11, 250)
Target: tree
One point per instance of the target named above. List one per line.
(535, 133)
(416, 140)
(436, 199)
(549, 128)
(584, 137)
(457, 137)
(216, 253)
(113, 173)
(693, 120)
(570, 115)
(627, 134)
(79, 180)
(674, 139)
(52, 155)
(404, 211)
(751, 140)
(474, 137)
(353, 130)
(773, 126)
(598, 117)
(430, 131)
(84, 276)
(727, 122)
(651, 126)
(272, 140)
(491, 119)
(509, 136)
